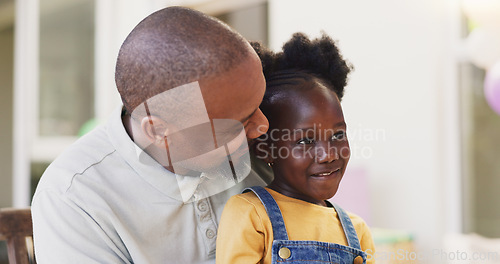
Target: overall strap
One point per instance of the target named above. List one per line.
(273, 211)
(350, 232)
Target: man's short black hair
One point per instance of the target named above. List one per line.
(172, 47)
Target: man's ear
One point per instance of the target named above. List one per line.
(262, 150)
(154, 129)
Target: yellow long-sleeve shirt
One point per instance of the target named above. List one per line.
(245, 233)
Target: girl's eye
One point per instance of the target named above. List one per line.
(338, 136)
(305, 141)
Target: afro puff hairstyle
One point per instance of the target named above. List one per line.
(319, 57)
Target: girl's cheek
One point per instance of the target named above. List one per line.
(345, 152)
(303, 153)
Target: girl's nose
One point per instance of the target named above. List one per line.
(326, 153)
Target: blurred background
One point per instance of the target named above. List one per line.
(422, 106)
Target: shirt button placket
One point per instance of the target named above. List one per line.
(210, 233)
(206, 223)
(202, 205)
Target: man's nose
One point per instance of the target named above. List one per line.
(257, 125)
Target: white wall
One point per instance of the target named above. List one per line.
(400, 89)
(114, 21)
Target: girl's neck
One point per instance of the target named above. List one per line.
(284, 191)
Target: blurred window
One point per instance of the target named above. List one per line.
(66, 66)
(480, 154)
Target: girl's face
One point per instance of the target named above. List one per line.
(308, 144)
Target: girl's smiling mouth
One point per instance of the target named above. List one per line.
(326, 173)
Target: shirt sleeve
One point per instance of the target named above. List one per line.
(241, 234)
(64, 232)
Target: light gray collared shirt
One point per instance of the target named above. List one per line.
(99, 203)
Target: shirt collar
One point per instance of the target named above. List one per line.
(181, 188)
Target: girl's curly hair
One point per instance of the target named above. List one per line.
(301, 56)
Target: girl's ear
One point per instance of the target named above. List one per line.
(262, 150)
(154, 129)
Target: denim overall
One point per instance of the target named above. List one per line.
(299, 251)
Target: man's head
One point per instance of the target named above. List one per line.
(175, 48)
(172, 47)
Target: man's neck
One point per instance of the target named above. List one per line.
(127, 124)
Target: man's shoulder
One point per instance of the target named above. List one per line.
(89, 151)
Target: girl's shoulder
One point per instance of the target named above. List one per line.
(247, 201)
(245, 206)
(355, 218)
(245, 198)
(250, 197)
(359, 223)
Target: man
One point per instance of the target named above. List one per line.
(149, 186)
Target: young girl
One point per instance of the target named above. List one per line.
(306, 145)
